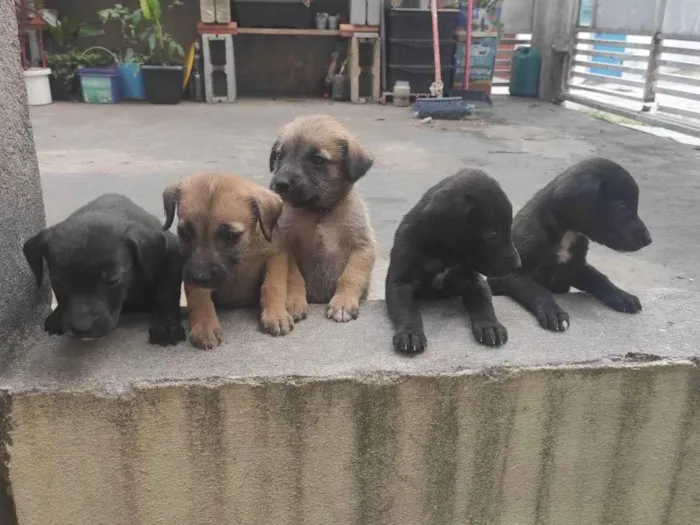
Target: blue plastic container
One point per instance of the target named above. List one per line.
(100, 85)
(132, 81)
(525, 72)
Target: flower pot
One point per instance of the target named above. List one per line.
(132, 81)
(163, 83)
(38, 87)
(100, 85)
(63, 90)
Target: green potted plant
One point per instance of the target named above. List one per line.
(130, 23)
(163, 72)
(62, 56)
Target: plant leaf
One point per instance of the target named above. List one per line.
(151, 9)
(152, 42)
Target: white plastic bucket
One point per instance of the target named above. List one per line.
(38, 87)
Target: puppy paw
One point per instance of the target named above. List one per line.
(343, 309)
(206, 335)
(624, 302)
(554, 319)
(53, 324)
(166, 331)
(298, 307)
(490, 333)
(410, 342)
(276, 321)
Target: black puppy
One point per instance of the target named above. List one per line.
(461, 226)
(596, 199)
(108, 257)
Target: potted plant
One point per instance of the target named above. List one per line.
(63, 58)
(130, 61)
(64, 81)
(164, 70)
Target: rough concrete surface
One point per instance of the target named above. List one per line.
(21, 206)
(320, 348)
(553, 447)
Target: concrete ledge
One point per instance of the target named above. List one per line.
(329, 426)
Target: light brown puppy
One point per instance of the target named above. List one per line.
(316, 162)
(234, 255)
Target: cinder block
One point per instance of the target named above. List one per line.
(358, 12)
(219, 68)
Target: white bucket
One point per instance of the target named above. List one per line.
(38, 87)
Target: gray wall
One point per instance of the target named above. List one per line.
(21, 204)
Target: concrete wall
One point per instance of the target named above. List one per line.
(618, 445)
(21, 215)
(21, 203)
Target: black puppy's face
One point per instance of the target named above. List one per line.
(91, 271)
(604, 207)
(92, 268)
(315, 163)
(473, 218)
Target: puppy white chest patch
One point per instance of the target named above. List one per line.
(564, 251)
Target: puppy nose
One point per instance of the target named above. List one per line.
(281, 186)
(200, 277)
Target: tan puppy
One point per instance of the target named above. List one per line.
(234, 257)
(316, 162)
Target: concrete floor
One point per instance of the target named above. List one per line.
(86, 150)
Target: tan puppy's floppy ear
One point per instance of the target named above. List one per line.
(274, 152)
(35, 252)
(357, 161)
(267, 208)
(171, 198)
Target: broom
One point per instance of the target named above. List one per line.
(439, 107)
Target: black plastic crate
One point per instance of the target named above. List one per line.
(417, 24)
(419, 52)
(278, 15)
(419, 77)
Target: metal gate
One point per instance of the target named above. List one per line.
(639, 58)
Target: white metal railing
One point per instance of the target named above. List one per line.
(649, 74)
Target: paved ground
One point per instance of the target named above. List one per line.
(86, 150)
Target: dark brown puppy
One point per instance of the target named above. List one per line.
(234, 256)
(596, 199)
(316, 162)
(461, 226)
(107, 258)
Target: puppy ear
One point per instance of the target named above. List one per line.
(171, 198)
(148, 249)
(35, 252)
(357, 161)
(273, 155)
(267, 208)
(584, 188)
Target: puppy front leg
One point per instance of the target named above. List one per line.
(476, 297)
(592, 281)
(404, 312)
(275, 319)
(352, 284)
(297, 304)
(166, 323)
(538, 300)
(205, 330)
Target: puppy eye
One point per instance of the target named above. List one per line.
(318, 160)
(228, 235)
(491, 236)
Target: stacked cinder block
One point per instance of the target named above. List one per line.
(217, 32)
